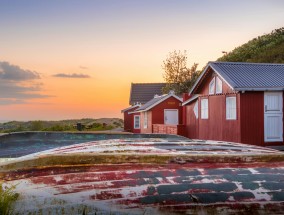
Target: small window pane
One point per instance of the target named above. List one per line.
(212, 86)
(231, 108)
(204, 108)
(136, 122)
(218, 85)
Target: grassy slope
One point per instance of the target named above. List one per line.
(63, 125)
(268, 48)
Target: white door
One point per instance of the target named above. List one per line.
(171, 117)
(273, 116)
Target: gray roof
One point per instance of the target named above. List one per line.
(190, 99)
(129, 108)
(249, 76)
(143, 92)
(155, 101)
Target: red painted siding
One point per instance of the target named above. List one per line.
(158, 111)
(185, 96)
(191, 121)
(128, 120)
(217, 127)
(156, 114)
(203, 88)
(249, 126)
(252, 119)
(231, 128)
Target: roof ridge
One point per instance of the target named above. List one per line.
(150, 83)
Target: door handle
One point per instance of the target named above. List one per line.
(265, 108)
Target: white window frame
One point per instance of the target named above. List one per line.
(195, 109)
(204, 108)
(212, 87)
(145, 119)
(136, 117)
(220, 84)
(231, 108)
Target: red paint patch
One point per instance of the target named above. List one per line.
(106, 195)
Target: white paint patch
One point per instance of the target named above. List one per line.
(170, 180)
(253, 171)
(57, 178)
(239, 186)
(231, 198)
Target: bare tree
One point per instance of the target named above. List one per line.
(177, 75)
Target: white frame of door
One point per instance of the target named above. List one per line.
(165, 116)
(264, 121)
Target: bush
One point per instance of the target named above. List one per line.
(7, 198)
(36, 125)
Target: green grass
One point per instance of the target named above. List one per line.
(62, 125)
(7, 198)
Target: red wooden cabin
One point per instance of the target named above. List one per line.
(238, 102)
(160, 111)
(128, 117)
(140, 93)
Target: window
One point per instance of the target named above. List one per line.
(231, 108)
(145, 120)
(212, 87)
(204, 108)
(218, 85)
(136, 122)
(195, 109)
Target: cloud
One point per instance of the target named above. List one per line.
(15, 73)
(19, 86)
(74, 75)
(83, 67)
(12, 90)
(11, 101)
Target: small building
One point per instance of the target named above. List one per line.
(238, 102)
(159, 111)
(140, 93)
(128, 117)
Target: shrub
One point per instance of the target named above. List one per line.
(7, 198)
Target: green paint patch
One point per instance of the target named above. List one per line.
(241, 196)
(279, 196)
(250, 185)
(166, 199)
(273, 186)
(151, 190)
(220, 187)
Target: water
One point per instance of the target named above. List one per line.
(23, 143)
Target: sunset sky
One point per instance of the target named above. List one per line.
(66, 59)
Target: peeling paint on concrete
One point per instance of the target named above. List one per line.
(162, 180)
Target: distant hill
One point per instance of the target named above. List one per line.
(62, 125)
(268, 48)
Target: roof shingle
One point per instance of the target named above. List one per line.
(143, 92)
